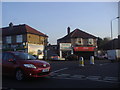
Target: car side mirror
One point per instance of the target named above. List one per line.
(11, 60)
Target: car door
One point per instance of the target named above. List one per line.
(8, 66)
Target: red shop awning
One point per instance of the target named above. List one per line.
(84, 48)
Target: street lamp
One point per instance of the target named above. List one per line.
(111, 26)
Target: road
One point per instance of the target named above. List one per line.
(68, 74)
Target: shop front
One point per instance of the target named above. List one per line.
(84, 52)
(65, 49)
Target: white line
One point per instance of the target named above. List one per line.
(93, 77)
(64, 75)
(59, 70)
(82, 77)
(108, 81)
(87, 79)
(111, 79)
(78, 76)
(104, 64)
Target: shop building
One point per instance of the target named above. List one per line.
(77, 42)
(23, 38)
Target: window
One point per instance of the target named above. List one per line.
(4, 56)
(79, 41)
(10, 56)
(8, 39)
(19, 38)
(90, 41)
(7, 56)
(24, 56)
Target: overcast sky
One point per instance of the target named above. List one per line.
(53, 18)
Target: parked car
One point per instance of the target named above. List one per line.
(23, 65)
(101, 57)
(55, 57)
(113, 55)
(71, 57)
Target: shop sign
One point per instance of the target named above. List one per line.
(65, 46)
(84, 48)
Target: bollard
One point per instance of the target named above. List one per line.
(81, 61)
(92, 60)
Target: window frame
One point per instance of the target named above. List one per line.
(90, 41)
(19, 38)
(79, 39)
(8, 39)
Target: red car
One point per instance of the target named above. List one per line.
(22, 65)
(55, 57)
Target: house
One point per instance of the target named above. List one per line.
(77, 42)
(24, 38)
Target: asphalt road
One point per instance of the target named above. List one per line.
(68, 74)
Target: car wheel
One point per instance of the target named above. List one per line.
(19, 75)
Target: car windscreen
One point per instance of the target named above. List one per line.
(24, 56)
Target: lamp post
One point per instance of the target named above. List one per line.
(111, 26)
(112, 44)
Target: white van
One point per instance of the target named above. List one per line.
(113, 54)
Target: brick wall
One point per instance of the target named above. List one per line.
(35, 39)
(85, 42)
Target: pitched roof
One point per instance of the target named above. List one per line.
(20, 29)
(77, 33)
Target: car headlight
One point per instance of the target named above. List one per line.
(29, 66)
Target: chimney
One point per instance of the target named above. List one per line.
(68, 30)
(11, 26)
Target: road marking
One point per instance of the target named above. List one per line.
(53, 74)
(93, 77)
(110, 79)
(63, 75)
(59, 70)
(103, 64)
(78, 76)
(100, 64)
(82, 77)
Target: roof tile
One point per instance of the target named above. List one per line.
(20, 29)
(77, 33)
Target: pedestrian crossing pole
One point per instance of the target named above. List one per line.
(92, 60)
(81, 61)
